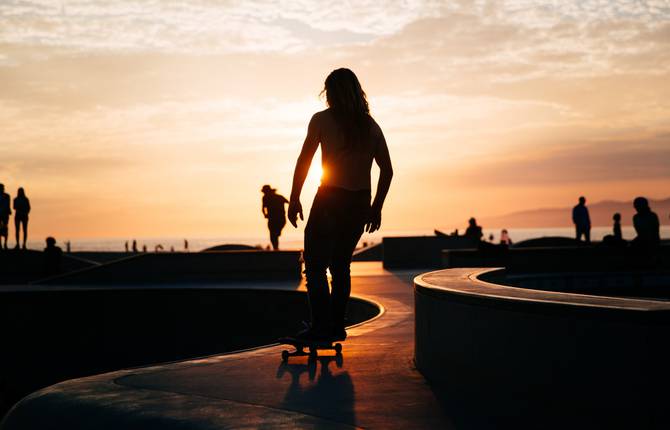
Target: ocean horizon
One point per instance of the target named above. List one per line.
(293, 240)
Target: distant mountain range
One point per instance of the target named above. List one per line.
(600, 212)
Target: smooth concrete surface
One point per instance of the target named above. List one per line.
(51, 334)
(420, 251)
(174, 267)
(558, 259)
(375, 385)
(578, 360)
(497, 373)
(374, 252)
(25, 266)
(654, 284)
(101, 256)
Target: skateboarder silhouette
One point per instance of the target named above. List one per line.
(350, 141)
(273, 210)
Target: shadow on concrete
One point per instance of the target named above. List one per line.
(329, 395)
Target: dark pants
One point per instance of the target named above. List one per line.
(275, 227)
(335, 225)
(583, 230)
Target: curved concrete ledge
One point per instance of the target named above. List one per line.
(533, 349)
(50, 336)
(375, 385)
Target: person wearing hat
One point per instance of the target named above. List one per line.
(273, 210)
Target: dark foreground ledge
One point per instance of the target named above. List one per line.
(178, 267)
(521, 351)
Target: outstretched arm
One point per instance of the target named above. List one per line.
(383, 160)
(301, 169)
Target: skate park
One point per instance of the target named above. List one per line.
(450, 348)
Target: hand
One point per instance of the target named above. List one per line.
(294, 209)
(374, 220)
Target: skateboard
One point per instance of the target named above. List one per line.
(312, 347)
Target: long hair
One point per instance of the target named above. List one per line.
(349, 105)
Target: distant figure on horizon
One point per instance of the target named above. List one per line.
(646, 224)
(52, 257)
(474, 231)
(273, 210)
(134, 245)
(582, 221)
(350, 141)
(616, 228)
(21, 211)
(185, 245)
(144, 248)
(504, 238)
(126, 246)
(5, 212)
(158, 248)
(68, 246)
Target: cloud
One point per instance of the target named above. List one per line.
(207, 98)
(572, 164)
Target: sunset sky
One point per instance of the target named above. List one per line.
(165, 118)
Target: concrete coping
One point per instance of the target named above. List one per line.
(466, 283)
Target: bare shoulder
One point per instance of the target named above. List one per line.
(375, 129)
(318, 119)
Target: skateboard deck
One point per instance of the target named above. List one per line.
(312, 348)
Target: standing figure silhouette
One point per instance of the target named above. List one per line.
(5, 212)
(350, 140)
(646, 223)
(21, 211)
(582, 221)
(273, 210)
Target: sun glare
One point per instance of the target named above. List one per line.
(315, 175)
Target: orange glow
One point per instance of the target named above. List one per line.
(117, 127)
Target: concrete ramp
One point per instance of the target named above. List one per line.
(180, 267)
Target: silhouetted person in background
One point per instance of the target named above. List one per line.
(350, 141)
(616, 228)
(5, 212)
(504, 238)
(134, 245)
(144, 248)
(646, 225)
(273, 210)
(68, 246)
(21, 211)
(52, 257)
(616, 238)
(185, 245)
(126, 246)
(474, 232)
(582, 221)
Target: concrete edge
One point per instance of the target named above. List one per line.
(489, 290)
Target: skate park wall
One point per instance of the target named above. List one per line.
(420, 251)
(522, 349)
(180, 267)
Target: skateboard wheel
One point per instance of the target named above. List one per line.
(338, 348)
(284, 355)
